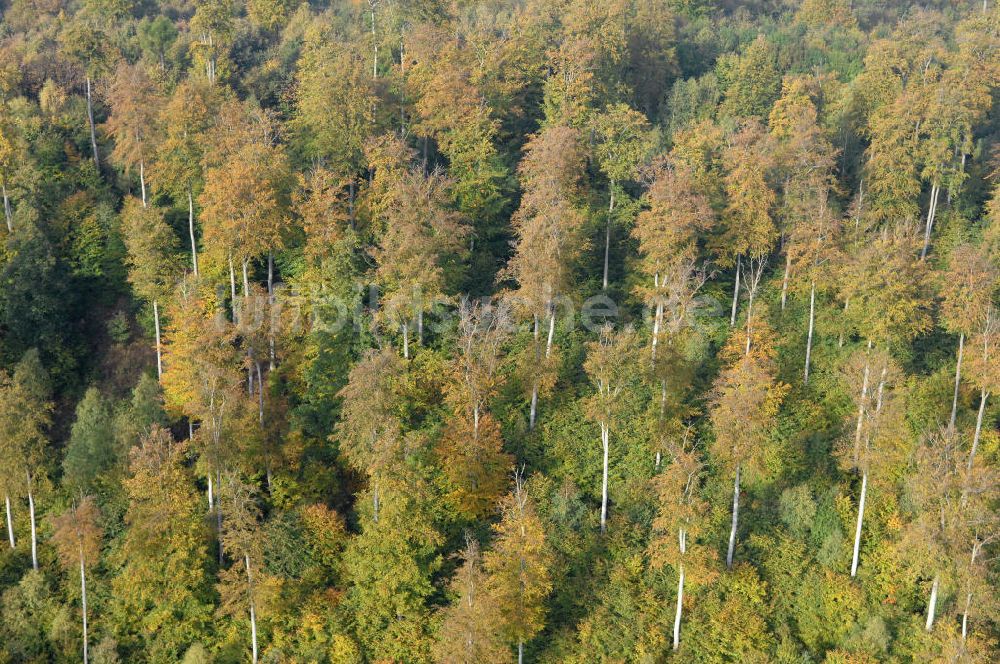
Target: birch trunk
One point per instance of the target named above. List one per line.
(90, 121)
(270, 305)
(605, 444)
(6, 208)
(736, 515)
(253, 615)
(809, 337)
(534, 406)
(520, 652)
(159, 354)
(784, 281)
(552, 332)
(965, 616)
(932, 605)
(34, 532)
(958, 381)
(406, 341)
(857, 529)
(246, 282)
(861, 409)
(10, 521)
(83, 602)
(736, 293)
(232, 286)
(211, 503)
(194, 245)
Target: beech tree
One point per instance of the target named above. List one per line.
(133, 124)
(151, 246)
(77, 537)
(517, 567)
(609, 366)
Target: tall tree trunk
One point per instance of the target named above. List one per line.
(142, 181)
(194, 245)
(246, 282)
(83, 603)
(159, 354)
(10, 520)
(857, 529)
(253, 615)
(736, 516)
(784, 281)
(809, 337)
(371, 4)
(34, 532)
(90, 121)
(931, 211)
(376, 502)
(861, 408)
(958, 381)
(607, 238)
(736, 293)
(211, 503)
(605, 444)
(270, 305)
(232, 286)
(6, 208)
(932, 605)
(965, 616)
(520, 652)
(420, 327)
(680, 606)
(983, 395)
(533, 412)
(552, 331)
(406, 341)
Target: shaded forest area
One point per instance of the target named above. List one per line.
(494, 330)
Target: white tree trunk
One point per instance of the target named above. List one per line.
(142, 181)
(607, 238)
(253, 615)
(83, 602)
(194, 245)
(6, 208)
(861, 409)
(159, 354)
(211, 500)
(232, 286)
(931, 210)
(90, 121)
(784, 281)
(979, 426)
(958, 381)
(533, 412)
(520, 652)
(965, 616)
(857, 529)
(552, 331)
(932, 605)
(736, 293)
(34, 532)
(605, 444)
(809, 337)
(10, 521)
(680, 606)
(736, 516)
(406, 340)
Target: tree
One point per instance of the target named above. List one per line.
(679, 524)
(623, 140)
(151, 246)
(90, 451)
(133, 123)
(213, 24)
(984, 369)
(471, 447)
(744, 404)
(517, 568)
(156, 35)
(77, 537)
(549, 239)
(608, 365)
(750, 231)
(25, 415)
(161, 592)
(966, 291)
(470, 629)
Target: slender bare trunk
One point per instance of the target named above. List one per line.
(253, 615)
(736, 293)
(965, 616)
(246, 281)
(90, 121)
(857, 529)
(736, 515)
(232, 286)
(83, 603)
(142, 181)
(931, 210)
(211, 499)
(784, 281)
(533, 413)
(10, 521)
(371, 4)
(406, 340)
(958, 381)
(6, 208)
(979, 426)
(932, 605)
(861, 408)
(270, 305)
(159, 354)
(680, 606)
(194, 245)
(605, 444)
(809, 337)
(520, 652)
(552, 332)
(420, 327)
(34, 532)
(607, 237)
(376, 502)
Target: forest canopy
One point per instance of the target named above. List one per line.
(467, 331)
